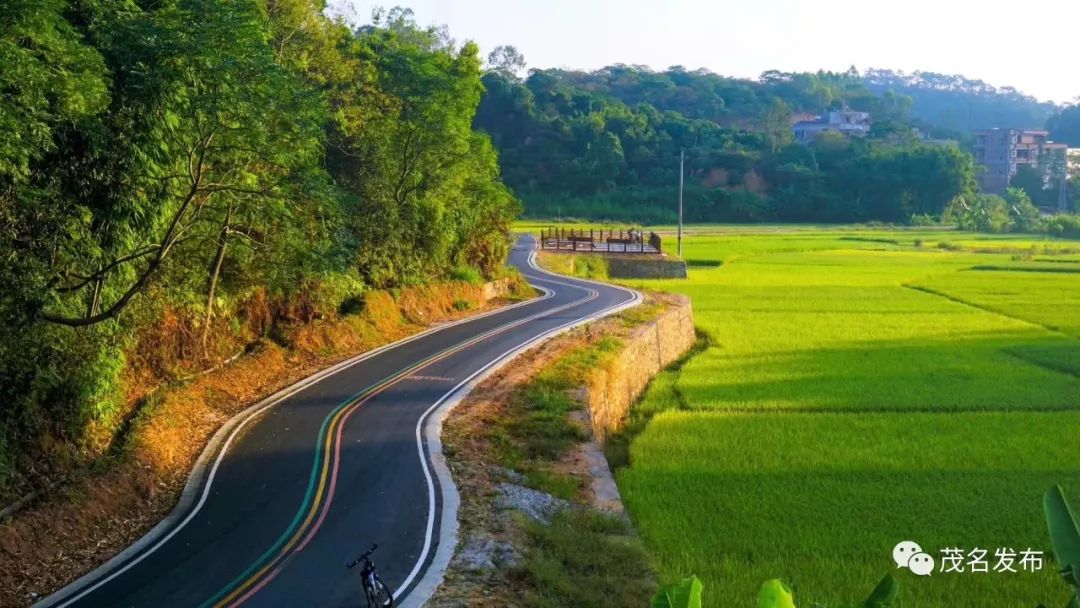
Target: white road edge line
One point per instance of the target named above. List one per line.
(168, 527)
(432, 431)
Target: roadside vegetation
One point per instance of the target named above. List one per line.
(180, 180)
(860, 386)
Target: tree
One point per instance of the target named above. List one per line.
(1032, 181)
(409, 162)
(506, 60)
(1023, 214)
(217, 142)
(50, 77)
(168, 164)
(776, 122)
(1064, 126)
(979, 213)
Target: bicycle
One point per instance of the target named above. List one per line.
(378, 594)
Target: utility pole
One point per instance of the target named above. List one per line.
(1063, 192)
(682, 160)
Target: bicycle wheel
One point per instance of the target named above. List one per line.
(380, 596)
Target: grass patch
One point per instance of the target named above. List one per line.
(538, 430)
(640, 314)
(582, 265)
(466, 274)
(585, 559)
(590, 267)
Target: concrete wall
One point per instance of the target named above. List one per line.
(652, 347)
(645, 267)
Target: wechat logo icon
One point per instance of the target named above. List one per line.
(908, 554)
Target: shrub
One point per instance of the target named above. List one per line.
(590, 267)
(1063, 225)
(351, 305)
(460, 304)
(329, 291)
(922, 219)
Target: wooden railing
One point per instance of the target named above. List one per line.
(600, 240)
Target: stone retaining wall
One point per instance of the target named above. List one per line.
(646, 267)
(496, 289)
(614, 388)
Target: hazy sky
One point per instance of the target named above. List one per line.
(1031, 45)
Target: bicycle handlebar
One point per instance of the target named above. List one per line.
(363, 556)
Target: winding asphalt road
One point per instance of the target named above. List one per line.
(298, 485)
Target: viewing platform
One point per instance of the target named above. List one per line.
(600, 240)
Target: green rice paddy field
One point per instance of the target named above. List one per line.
(863, 387)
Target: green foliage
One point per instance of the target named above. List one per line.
(460, 304)
(1064, 225)
(683, 594)
(466, 275)
(185, 155)
(51, 79)
(1023, 214)
(427, 188)
(584, 559)
(1065, 537)
(1032, 181)
(1064, 125)
(590, 267)
(884, 594)
(979, 213)
(994, 214)
(775, 594)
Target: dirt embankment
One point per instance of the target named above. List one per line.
(103, 508)
(541, 522)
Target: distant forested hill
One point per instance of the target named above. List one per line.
(957, 103)
(606, 144)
